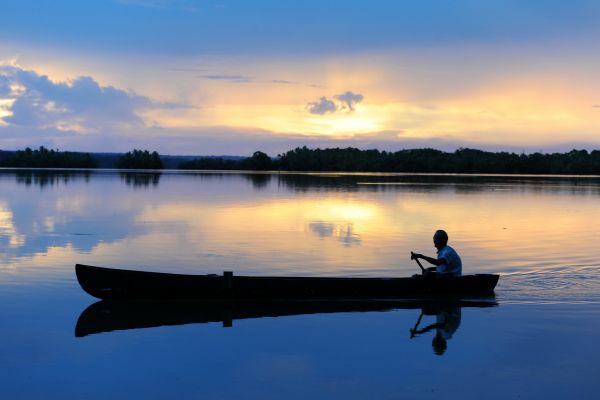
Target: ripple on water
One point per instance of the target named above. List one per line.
(565, 284)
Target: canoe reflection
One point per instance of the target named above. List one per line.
(447, 321)
(112, 315)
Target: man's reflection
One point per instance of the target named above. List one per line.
(447, 321)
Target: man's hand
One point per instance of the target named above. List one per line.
(414, 256)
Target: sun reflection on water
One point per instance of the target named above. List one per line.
(537, 235)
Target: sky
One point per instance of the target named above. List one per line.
(200, 77)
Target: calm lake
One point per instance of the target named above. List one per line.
(536, 340)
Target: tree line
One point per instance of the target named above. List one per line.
(334, 159)
(416, 160)
(49, 158)
(45, 158)
(140, 159)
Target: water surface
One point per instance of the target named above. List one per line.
(539, 233)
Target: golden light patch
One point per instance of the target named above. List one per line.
(5, 110)
(7, 228)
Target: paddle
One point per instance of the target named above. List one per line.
(413, 331)
(412, 256)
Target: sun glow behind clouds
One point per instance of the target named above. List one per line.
(5, 110)
(437, 99)
(287, 119)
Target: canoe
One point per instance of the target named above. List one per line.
(109, 283)
(115, 315)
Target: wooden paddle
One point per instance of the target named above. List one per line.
(412, 256)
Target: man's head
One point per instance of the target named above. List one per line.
(439, 344)
(440, 239)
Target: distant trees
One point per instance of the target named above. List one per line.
(45, 158)
(258, 162)
(416, 160)
(140, 159)
(211, 163)
(335, 159)
(436, 161)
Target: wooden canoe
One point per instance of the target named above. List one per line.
(109, 283)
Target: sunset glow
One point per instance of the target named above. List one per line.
(523, 87)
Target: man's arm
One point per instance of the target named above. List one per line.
(430, 260)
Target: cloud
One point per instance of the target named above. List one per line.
(284, 82)
(229, 78)
(321, 106)
(345, 101)
(349, 99)
(80, 105)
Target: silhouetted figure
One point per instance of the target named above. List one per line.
(447, 261)
(447, 323)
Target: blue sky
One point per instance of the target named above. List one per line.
(201, 76)
(289, 27)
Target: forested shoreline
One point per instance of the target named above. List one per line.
(467, 161)
(472, 161)
(46, 158)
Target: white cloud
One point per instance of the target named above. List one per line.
(80, 105)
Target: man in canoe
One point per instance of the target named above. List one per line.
(447, 261)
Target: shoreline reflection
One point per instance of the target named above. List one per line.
(140, 179)
(50, 178)
(110, 315)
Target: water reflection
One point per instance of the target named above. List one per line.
(447, 321)
(319, 224)
(434, 183)
(50, 178)
(111, 315)
(141, 179)
(259, 180)
(425, 183)
(344, 233)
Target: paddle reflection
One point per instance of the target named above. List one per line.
(111, 315)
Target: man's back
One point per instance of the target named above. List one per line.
(451, 261)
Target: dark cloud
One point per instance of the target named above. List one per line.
(284, 82)
(349, 99)
(229, 78)
(78, 105)
(345, 101)
(321, 106)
